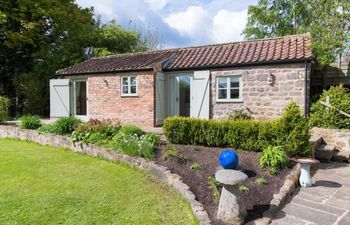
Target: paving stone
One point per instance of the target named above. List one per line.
(318, 206)
(345, 220)
(309, 214)
(338, 202)
(282, 218)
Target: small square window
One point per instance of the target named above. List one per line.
(228, 88)
(129, 86)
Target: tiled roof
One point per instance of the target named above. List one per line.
(273, 50)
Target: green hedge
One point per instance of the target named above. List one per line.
(4, 108)
(291, 131)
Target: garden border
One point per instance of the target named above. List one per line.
(158, 171)
(279, 199)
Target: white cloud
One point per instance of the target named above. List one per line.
(193, 22)
(157, 4)
(228, 25)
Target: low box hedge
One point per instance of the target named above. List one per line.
(291, 131)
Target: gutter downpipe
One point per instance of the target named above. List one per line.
(306, 93)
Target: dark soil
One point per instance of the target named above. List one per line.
(257, 199)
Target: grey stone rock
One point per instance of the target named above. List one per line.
(231, 206)
(230, 177)
(324, 153)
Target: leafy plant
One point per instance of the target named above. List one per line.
(153, 139)
(4, 107)
(131, 130)
(196, 166)
(215, 185)
(239, 115)
(32, 122)
(274, 158)
(62, 126)
(133, 145)
(339, 97)
(260, 181)
(172, 153)
(243, 188)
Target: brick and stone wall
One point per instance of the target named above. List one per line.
(338, 138)
(105, 99)
(261, 99)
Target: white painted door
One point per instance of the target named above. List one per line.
(200, 94)
(160, 104)
(59, 98)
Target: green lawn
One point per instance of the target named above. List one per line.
(46, 185)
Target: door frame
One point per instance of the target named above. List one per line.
(73, 105)
(173, 106)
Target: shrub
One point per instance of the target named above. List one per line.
(153, 139)
(131, 130)
(274, 158)
(243, 188)
(239, 114)
(107, 127)
(4, 107)
(62, 126)
(339, 97)
(133, 145)
(290, 131)
(32, 122)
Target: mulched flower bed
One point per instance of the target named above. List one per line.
(257, 199)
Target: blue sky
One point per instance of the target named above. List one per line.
(179, 22)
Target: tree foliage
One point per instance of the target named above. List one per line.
(38, 37)
(328, 22)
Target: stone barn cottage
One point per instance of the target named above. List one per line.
(259, 76)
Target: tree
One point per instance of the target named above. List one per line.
(327, 20)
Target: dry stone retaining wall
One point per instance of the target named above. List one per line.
(338, 138)
(160, 172)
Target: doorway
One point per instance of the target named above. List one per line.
(180, 95)
(80, 98)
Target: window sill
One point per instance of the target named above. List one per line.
(229, 100)
(130, 96)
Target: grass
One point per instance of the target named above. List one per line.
(46, 185)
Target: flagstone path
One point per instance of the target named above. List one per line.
(327, 202)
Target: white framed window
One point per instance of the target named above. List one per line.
(129, 86)
(229, 89)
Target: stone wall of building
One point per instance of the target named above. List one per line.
(338, 138)
(105, 99)
(260, 98)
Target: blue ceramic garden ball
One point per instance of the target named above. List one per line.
(228, 159)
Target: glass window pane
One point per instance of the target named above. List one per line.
(234, 84)
(133, 80)
(222, 94)
(222, 82)
(133, 89)
(125, 81)
(234, 93)
(125, 89)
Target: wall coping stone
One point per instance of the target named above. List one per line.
(162, 173)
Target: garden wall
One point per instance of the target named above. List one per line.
(339, 138)
(160, 172)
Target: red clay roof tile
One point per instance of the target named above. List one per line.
(280, 49)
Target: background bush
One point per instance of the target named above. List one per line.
(32, 122)
(4, 108)
(339, 97)
(274, 158)
(291, 131)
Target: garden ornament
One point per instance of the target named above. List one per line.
(305, 176)
(228, 159)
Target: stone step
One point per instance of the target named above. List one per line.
(315, 142)
(324, 153)
(341, 156)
